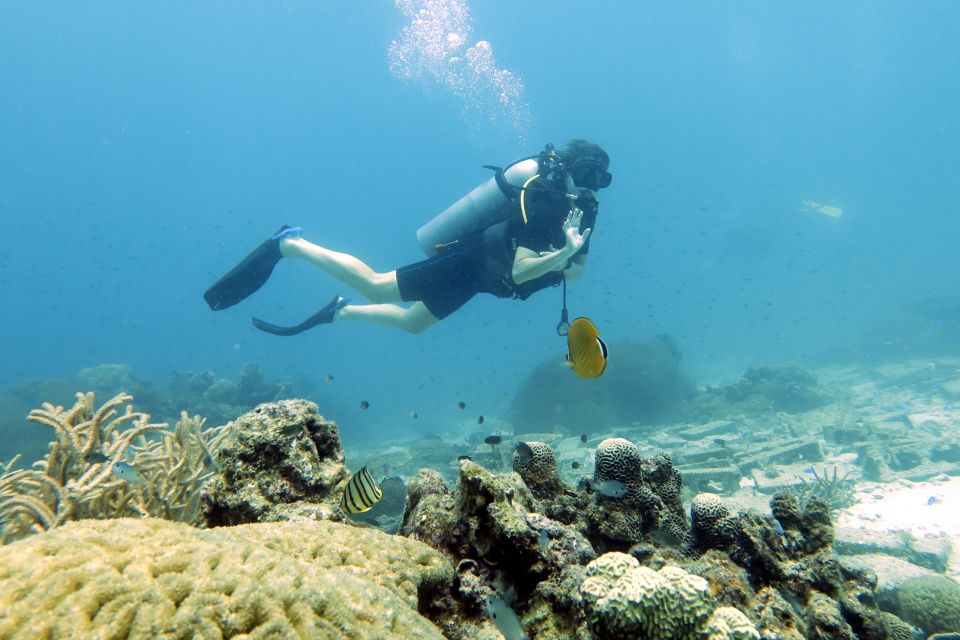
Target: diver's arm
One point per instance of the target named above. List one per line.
(528, 264)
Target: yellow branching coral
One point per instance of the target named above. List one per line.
(77, 479)
(175, 468)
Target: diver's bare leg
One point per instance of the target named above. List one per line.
(376, 287)
(412, 319)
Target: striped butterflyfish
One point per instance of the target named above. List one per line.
(361, 493)
(586, 352)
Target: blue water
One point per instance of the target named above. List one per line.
(145, 148)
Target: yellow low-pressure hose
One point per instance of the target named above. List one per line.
(523, 192)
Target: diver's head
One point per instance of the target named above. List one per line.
(587, 164)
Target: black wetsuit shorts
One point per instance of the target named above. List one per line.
(444, 282)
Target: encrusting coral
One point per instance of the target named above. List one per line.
(149, 578)
(76, 480)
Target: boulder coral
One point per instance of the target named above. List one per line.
(280, 461)
(148, 578)
(931, 603)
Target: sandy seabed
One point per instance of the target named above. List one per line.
(924, 509)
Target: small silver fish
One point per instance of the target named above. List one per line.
(543, 541)
(504, 618)
(609, 488)
(125, 471)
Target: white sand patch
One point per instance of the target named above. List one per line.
(923, 509)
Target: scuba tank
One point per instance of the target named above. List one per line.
(490, 202)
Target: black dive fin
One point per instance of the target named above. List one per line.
(248, 276)
(324, 316)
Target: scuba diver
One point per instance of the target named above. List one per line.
(526, 228)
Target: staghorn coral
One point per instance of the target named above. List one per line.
(626, 600)
(69, 484)
(175, 469)
(148, 578)
(836, 491)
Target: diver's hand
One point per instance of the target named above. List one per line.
(571, 229)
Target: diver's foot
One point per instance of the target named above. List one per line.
(250, 274)
(287, 232)
(324, 316)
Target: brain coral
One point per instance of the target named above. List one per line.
(542, 465)
(729, 623)
(707, 514)
(626, 600)
(617, 459)
(537, 467)
(145, 578)
(931, 603)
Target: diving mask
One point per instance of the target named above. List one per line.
(590, 173)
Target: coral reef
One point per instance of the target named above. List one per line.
(931, 603)
(148, 578)
(652, 507)
(77, 479)
(625, 600)
(221, 399)
(218, 399)
(789, 389)
(280, 461)
(761, 391)
(492, 531)
(525, 540)
(800, 584)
